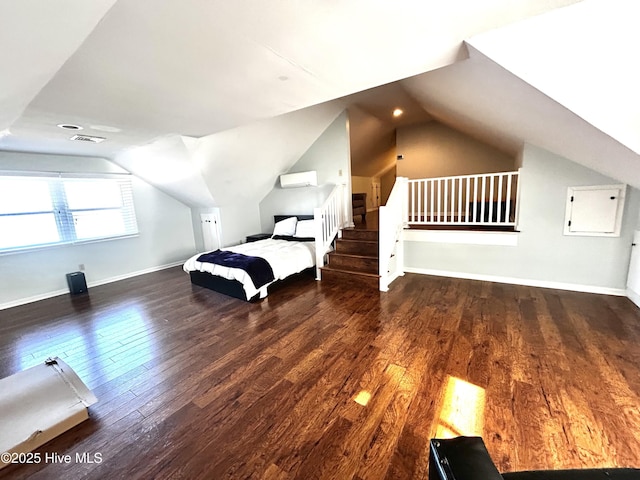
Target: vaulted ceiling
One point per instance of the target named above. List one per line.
(198, 96)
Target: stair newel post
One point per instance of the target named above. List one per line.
(403, 214)
(392, 218)
(317, 216)
(347, 210)
(404, 196)
(383, 260)
(344, 208)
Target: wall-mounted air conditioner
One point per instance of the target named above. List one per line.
(301, 179)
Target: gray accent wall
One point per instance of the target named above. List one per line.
(543, 253)
(166, 237)
(432, 150)
(330, 157)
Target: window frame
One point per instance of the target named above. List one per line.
(63, 214)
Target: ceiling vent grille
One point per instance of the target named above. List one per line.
(87, 138)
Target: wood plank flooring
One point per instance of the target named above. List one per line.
(318, 381)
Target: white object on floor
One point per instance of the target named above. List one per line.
(40, 403)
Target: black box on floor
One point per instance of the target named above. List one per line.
(77, 283)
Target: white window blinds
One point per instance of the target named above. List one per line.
(49, 210)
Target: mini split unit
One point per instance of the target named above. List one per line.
(302, 179)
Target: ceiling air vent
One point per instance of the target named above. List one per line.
(87, 138)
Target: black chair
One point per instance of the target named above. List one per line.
(467, 458)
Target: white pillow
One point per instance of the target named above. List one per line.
(286, 227)
(305, 228)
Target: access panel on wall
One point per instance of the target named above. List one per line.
(594, 210)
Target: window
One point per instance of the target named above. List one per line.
(45, 210)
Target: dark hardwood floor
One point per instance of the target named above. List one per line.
(370, 222)
(319, 381)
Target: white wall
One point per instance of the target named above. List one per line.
(238, 221)
(543, 253)
(198, 235)
(329, 156)
(166, 237)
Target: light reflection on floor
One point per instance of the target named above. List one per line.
(96, 348)
(462, 410)
(362, 398)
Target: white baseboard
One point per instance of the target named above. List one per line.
(633, 296)
(35, 298)
(134, 274)
(44, 296)
(395, 276)
(521, 281)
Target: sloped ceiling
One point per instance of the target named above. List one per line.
(482, 99)
(372, 126)
(369, 137)
(582, 57)
(585, 114)
(38, 37)
(196, 96)
(167, 164)
(241, 165)
(197, 67)
(236, 165)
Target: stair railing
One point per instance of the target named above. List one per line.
(329, 219)
(484, 199)
(392, 220)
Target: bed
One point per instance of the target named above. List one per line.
(242, 271)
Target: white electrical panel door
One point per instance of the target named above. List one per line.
(594, 211)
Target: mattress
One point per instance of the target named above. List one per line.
(285, 258)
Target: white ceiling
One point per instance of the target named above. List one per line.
(485, 101)
(37, 38)
(564, 81)
(199, 88)
(583, 57)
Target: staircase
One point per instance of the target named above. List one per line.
(355, 259)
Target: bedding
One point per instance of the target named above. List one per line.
(305, 228)
(286, 226)
(257, 268)
(285, 258)
(293, 238)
